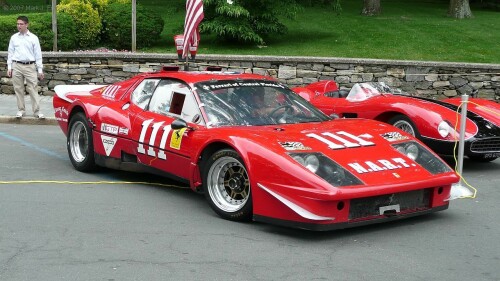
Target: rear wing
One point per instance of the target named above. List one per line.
(80, 90)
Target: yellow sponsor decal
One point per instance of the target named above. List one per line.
(176, 140)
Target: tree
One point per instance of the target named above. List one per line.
(371, 8)
(459, 9)
(249, 21)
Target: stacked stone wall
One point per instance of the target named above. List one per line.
(430, 79)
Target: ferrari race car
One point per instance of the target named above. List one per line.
(254, 148)
(434, 122)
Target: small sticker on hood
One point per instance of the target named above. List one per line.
(394, 136)
(294, 145)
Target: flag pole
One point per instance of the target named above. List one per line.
(194, 15)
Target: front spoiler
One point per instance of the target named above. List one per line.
(342, 225)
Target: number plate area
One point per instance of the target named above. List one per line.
(389, 204)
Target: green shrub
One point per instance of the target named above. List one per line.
(247, 21)
(7, 28)
(86, 20)
(99, 5)
(117, 26)
(119, 1)
(41, 26)
(66, 31)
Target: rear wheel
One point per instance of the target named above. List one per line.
(404, 123)
(80, 144)
(227, 185)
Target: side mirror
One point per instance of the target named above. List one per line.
(178, 124)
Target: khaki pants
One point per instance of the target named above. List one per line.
(20, 72)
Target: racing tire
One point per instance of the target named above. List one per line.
(405, 124)
(481, 158)
(227, 186)
(80, 144)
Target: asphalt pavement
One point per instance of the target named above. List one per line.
(8, 110)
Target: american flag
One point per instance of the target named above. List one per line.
(194, 15)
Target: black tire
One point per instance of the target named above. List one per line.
(404, 123)
(80, 144)
(227, 185)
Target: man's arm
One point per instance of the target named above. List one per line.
(38, 58)
(10, 52)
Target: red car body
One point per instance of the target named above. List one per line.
(422, 116)
(321, 174)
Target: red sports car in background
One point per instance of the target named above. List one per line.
(434, 122)
(254, 148)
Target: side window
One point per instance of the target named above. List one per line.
(173, 98)
(191, 110)
(162, 97)
(142, 94)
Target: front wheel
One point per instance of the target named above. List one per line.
(227, 186)
(80, 144)
(405, 124)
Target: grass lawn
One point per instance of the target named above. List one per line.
(406, 30)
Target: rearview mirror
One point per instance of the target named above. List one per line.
(179, 124)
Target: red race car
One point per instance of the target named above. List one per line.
(254, 148)
(434, 122)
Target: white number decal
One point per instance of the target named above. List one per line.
(144, 129)
(163, 142)
(341, 141)
(156, 127)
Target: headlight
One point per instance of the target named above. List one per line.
(412, 151)
(444, 129)
(300, 159)
(422, 156)
(312, 163)
(409, 149)
(326, 169)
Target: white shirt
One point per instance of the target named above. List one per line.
(25, 47)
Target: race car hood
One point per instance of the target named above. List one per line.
(364, 148)
(485, 114)
(489, 110)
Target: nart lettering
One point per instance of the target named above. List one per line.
(380, 165)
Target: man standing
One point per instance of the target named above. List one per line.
(24, 63)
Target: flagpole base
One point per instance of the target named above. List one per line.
(458, 191)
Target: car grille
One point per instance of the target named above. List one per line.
(411, 201)
(486, 145)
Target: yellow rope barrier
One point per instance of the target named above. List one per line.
(456, 142)
(92, 182)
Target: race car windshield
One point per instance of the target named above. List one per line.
(254, 103)
(364, 91)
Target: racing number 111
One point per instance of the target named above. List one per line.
(343, 142)
(152, 139)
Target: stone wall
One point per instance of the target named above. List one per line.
(430, 79)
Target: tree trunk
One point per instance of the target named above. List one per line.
(371, 8)
(459, 9)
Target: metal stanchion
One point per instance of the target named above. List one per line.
(458, 190)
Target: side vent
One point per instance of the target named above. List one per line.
(128, 157)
